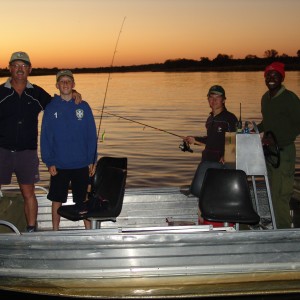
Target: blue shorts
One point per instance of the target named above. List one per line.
(25, 164)
(60, 183)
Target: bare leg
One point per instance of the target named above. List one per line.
(200, 219)
(87, 224)
(55, 215)
(30, 203)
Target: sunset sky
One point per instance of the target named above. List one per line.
(83, 33)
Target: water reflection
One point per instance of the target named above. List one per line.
(175, 102)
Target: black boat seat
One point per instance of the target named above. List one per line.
(225, 197)
(105, 200)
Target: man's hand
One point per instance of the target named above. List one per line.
(76, 96)
(189, 139)
(52, 170)
(222, 160)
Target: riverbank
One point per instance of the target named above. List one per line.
(179, 65)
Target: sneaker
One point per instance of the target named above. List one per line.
(267, 226)
(31, 228)
(186, 192)
(255, 227)
(261, 226)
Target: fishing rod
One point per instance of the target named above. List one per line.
(184, 146)
(107, 83)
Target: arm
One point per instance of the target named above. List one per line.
(45, 141)
(260, 126)
(77, 97)
(194, 140)
(294, 112)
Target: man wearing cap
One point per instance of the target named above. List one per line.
(20, 104)
(280, 110)
(66, 126)
(218, 123)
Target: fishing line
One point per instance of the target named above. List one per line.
(143, 124)
(184, 146)
(107, 83)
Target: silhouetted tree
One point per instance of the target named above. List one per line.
(180, 63)
(298, 53)
(206, 59)
(271, 53)
(223, 57)
(250, 56)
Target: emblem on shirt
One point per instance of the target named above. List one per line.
(219, 129)
(79, 114)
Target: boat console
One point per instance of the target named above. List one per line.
(245, 151)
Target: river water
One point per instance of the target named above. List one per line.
(172, 102)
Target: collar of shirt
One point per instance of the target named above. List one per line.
(8, 84)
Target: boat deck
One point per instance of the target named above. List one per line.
(141, 256)
(156, 207)
(141, 208)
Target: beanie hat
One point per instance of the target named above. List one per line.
(276, 66)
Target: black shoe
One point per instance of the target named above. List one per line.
(186, 192)
(261, 226)
(31, 228)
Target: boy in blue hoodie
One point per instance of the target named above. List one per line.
(68, 146)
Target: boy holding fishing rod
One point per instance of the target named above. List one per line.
(68, 147)
(219, 122)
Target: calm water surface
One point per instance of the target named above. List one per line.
(174, 102)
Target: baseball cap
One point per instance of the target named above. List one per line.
(216, 89)
(64, 73)
(23, 56)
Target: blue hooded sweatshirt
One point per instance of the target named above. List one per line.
(68, 134)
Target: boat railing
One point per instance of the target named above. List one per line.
(11, 226)
(14, 187)
(175, 229)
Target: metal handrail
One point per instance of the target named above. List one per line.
(11, 226)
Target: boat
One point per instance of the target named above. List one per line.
(155, 248)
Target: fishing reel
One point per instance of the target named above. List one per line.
(184, 146)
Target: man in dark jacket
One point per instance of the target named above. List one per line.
(280, 110)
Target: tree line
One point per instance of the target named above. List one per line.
(222, 62)
(225, 62)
